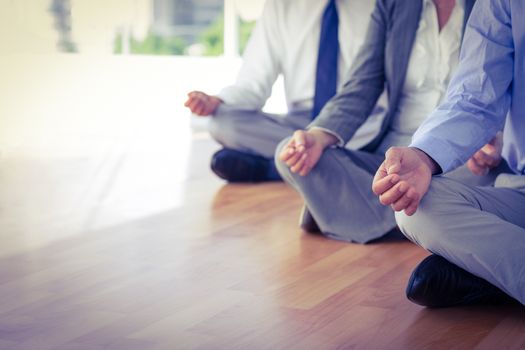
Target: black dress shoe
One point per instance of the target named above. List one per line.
(438, 283)
(307, 221)
(235, 166)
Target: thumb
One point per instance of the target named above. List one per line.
(288, 150)
(393, 160)
(300, 139)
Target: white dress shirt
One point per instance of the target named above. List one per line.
(286, 41)
(434, 58)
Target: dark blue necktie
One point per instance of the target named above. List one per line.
(326, 73)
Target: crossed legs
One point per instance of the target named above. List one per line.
(338, 194)
(480, 229)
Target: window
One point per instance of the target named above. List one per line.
(150, 27)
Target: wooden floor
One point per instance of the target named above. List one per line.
(123, 239)
(226, 269)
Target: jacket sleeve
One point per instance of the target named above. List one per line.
(479, 95)
(350, 108)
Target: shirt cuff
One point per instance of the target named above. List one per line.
(228, 96)
(440, 151)
(340, 142)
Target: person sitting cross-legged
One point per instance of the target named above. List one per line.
(311, 43)
(412, 47)
(476, 234)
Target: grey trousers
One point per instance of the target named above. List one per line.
(338, 193)
(254, 132)
(480, 229)
(259, 133)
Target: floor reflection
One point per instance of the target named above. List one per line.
(89, 142)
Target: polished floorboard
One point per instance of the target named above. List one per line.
(114, 234)
(224, 267)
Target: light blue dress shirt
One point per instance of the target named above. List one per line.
(486, 93)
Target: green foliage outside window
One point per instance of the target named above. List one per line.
(153, 44)
(212, 40)
(213, 37)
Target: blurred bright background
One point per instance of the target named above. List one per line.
(98, 61)
(93, 131)
(149, 27)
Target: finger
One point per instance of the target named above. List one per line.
(474, 163)
(405, 201)
(188, 101)
(287, 152)
(294, 159)
(199, 109)
(394, 194)
(490, 150)
(391, 196)
(493, 155)
(392, 160)
(381, 171)
(482, 158)
(381, 186)
(193, 104)
(192, 101)
(402, 203)
(487, 159)
(305, 169)
(412, 208)
(300, 140)
(296, 153)
(475, 168)
(298, 166)
(416, 198)
(380, 174)
(195, 94)
(309, 164)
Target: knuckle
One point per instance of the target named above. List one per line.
(395, 149)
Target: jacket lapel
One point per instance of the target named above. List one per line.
(404, 21)
(405, 17)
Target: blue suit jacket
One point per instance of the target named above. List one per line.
(381, 62)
